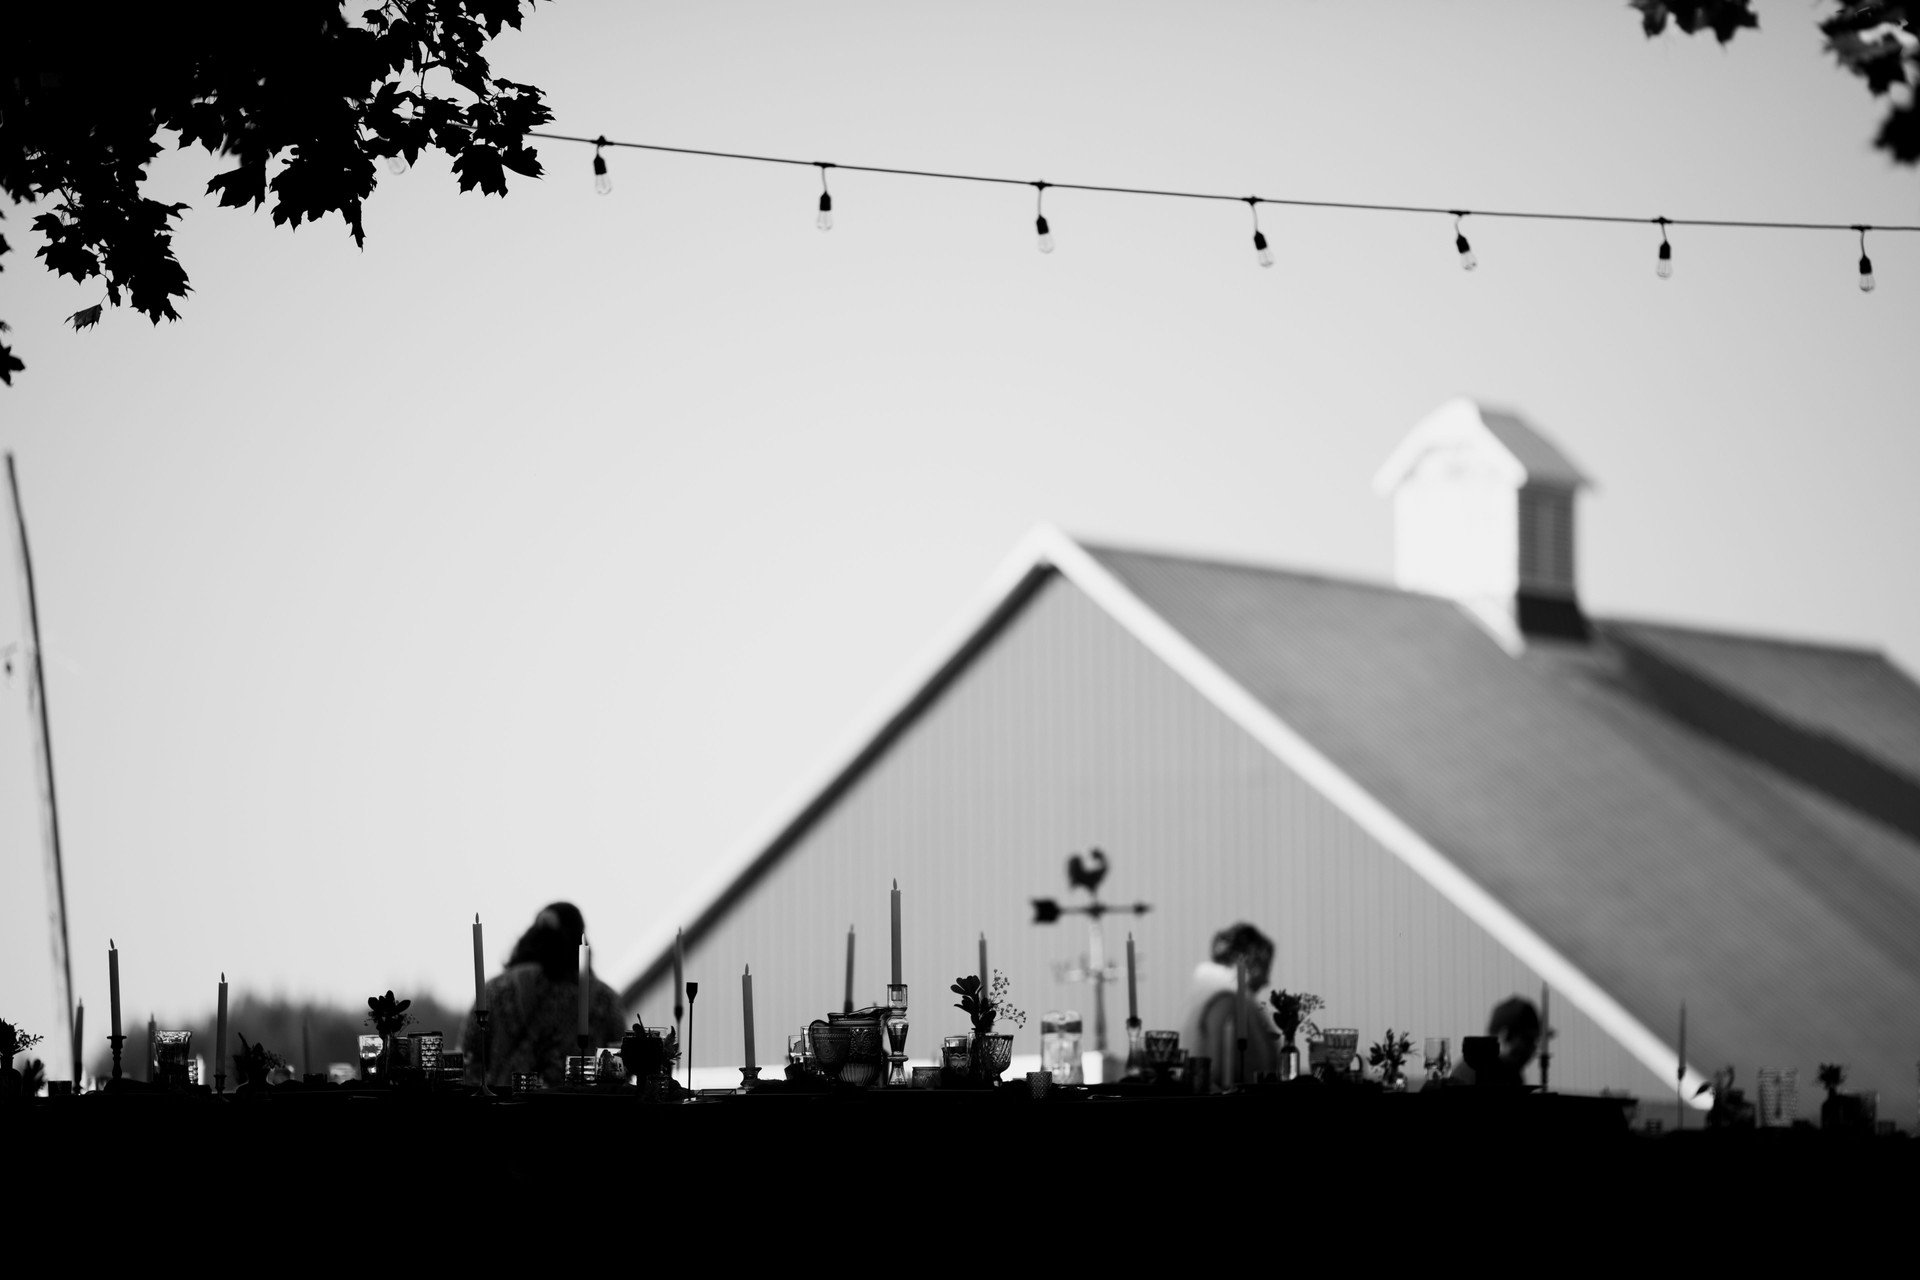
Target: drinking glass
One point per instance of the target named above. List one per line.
(171, 1054)
(1160, 1046)
(369, 1057)
(426, 1051)
(580, 1069)
(1060, 1045)
(796, 1050)
(1436, 1057)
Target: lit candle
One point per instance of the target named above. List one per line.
(1133, 990)
(896, 933)
(586, 982)
(220, 1032)
(479, 967)
(983, 966)
(679, 977)
(746, 1012)
(847, 1004)
(113, 986)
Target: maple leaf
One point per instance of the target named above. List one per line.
(85, 318)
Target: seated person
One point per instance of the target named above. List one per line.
(1217, 1017)
(1515, 1024)
(535, 1004)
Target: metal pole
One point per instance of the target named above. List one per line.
(37, 697)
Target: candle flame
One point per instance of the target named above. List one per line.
(223, 977)
(111, 945)
(896, 884)
(747, 970)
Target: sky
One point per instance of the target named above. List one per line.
(543, 548)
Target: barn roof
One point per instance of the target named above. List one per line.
(1656, 816)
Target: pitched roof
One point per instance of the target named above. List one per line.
(1587, 804)
(1664, 862)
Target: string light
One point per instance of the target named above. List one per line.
(1467, 261)
(601, 182)
(1259, 240)
(825, 220)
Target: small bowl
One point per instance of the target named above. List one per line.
(859, 1074)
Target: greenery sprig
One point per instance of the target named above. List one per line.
(1293, 1012)
(15, 1041)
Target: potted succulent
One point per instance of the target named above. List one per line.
(1390, 1055)
(13, 1042)
(992, 1050)
(1293, 1012)
(1841, 1111)
(387, 1016)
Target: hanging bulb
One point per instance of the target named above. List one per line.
(1046, 236)
(396, 164)
(825, 220)
(1260, 245)
(601, 182)
(1467, 261)
(1664, 266)
(1866, 263)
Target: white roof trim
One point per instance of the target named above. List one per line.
(1456, 422)
(1048, 546)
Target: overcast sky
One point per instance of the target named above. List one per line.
(541, 549)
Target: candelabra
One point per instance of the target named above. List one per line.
(897, 1033)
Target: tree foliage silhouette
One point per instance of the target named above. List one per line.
(87, 97)
(1877, 40)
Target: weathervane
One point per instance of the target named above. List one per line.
(1093, 966)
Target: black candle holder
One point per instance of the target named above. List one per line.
(484, 1016)
(693, 989)
(116, 1041)
(749, 1077)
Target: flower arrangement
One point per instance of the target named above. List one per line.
(984, 1009)
(386, 1014)
(1831, 1076)
(1390, 1054)
(251, 1064)
(14, 1041)
(1293, 1012)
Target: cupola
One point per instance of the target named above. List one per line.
(1483, 513)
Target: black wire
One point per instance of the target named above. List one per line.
(1254, 200)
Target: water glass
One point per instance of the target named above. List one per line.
(171, 1055)
(797, 1052)
(1060, 1044)
(1039, 1083)
(580, 1069)
(1160, 1046)
(426, 1051)
(369, 1057)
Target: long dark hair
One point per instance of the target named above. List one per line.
(553, 942)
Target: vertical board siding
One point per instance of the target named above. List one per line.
(1066, 733)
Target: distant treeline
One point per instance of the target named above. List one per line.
(333, 1032)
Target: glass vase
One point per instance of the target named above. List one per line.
(992, 1053)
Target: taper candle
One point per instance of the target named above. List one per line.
(1133, 988)
(896, 933)
(746, 1013)
(479, 967)
(586, 983)
(113, 986)
(846, 1005)
(679, 977)
(153, 1035)
(220, 1033)
(984, 973)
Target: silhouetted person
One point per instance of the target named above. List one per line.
(535, 1004)
(1217, 1018)
(1515, 1026)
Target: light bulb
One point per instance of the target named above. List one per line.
(1260, 245)
(601, 182)
(396, 164)
(1866, 274)
(1664, 267)
(1046, 236)
(1467, 261)
(825, 220)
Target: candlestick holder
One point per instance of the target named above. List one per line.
(896, 1023)
(693, 989)
(1136, 1050)
(483, 1048)
(749, 1077)
(117, 1042)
